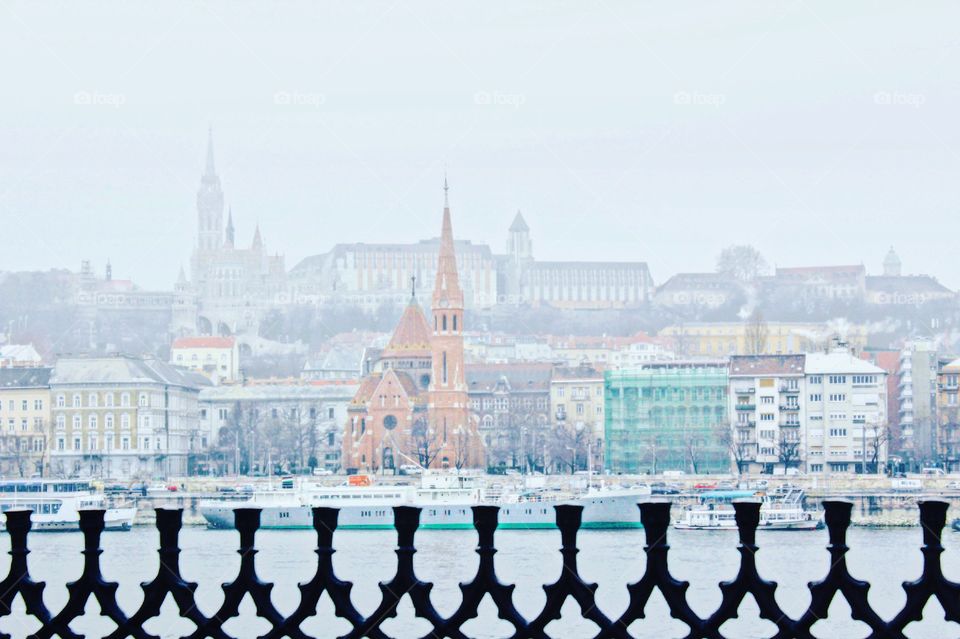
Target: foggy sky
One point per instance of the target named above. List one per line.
(820, 132)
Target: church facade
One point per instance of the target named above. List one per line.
(230, 287)
(413, 406)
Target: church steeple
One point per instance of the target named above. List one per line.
(230, 235)
(257, 240)
(210, 171)
(446, 289)
(209, 204)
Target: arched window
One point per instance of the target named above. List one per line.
(454, 323)
(443, 323)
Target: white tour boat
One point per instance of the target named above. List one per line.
(445, 500)
(56, 504)
(781, 511)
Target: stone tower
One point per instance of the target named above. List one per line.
(209, 205)
(519, 247)
(448, 413)
(891, 264)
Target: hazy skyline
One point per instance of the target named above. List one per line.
(821, 133)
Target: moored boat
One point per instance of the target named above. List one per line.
(445, 501)
(782, 510)
(56, 504)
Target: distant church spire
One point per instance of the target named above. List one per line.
(257, 240)
(210, 170)
(230, 235)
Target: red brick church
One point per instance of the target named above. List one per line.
(412, 408)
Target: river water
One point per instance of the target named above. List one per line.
(885, 557)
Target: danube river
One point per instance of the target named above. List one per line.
(885, 557)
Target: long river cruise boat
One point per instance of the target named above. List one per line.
(56, 504)
(784, 509)
(445, 500)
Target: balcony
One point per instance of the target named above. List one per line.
(561, 415)
(748, 407)
(790, 407)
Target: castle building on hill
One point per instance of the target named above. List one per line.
(230, 288)
(413, 407)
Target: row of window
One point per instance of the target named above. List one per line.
(93, 401)
(93, 443)
(12, 424)
(93, 421)
(24, 404)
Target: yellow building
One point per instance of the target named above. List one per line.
(576, 403)
(24, 420)
(948, 413)
(718, 339)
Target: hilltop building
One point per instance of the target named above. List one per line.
(230, 288)
(370, 274)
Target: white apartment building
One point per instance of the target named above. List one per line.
(278, 407)
(846, 426)
(122, 417)
(216, 357)
(767, 412)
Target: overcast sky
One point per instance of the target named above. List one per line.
(820, 132)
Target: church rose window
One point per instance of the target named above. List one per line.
(389, 422)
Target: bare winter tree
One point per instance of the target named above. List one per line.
(738, 450)
(876, 441)
(461, 447)
(693, 448)
(568, 446)
(756, 334)
(741, 262)
(427, 442)
(788, 450)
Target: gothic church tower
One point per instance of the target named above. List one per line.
(448, 412)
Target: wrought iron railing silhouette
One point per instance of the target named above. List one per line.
(654, 515)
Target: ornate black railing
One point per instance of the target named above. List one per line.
(656, 520)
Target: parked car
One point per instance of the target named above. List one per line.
(663, 488)
(245, 488)
(704, 486)
(953, 485)
(226, 489)
(322, 472)
(173, 488)
(410, 469)
(114, 488)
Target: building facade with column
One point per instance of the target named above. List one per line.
(123, 417)
(667, 416)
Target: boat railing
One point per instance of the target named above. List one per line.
(931, 583)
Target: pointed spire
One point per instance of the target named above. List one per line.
(210, 170)
(519, 224)
(446, 290)
(182, 278)
(230, 235)
(257, 240)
